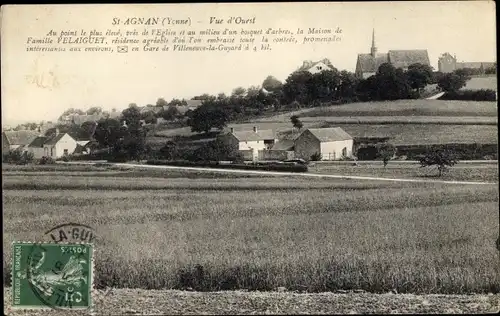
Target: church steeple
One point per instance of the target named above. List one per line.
(373, 50)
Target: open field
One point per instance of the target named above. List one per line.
(168, 302)
(398, 108)
(477, 83)
(401, 134)
(263, 233)
(395, 170)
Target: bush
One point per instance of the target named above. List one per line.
(215, 164)
(471, 151)
(470, 95)
(18, 157)
(46, 161)
(316, 157)
(440, 158)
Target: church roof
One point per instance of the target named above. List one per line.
(404, 58)
(398, 58)
(368, 63)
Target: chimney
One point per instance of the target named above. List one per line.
(232, 130)
(57, 131)
(255, 129)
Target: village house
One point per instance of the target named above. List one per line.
(61, 144)
(250, 142)
(332, 143)
(368, 64)
(316, 67)
(17, 140)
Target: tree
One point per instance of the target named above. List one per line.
(221, 96)
(170, 113)
(253, 91)
(239, 92)
(149, 117)
(107, 132)
(324, 85)
(208, 116)
(296, 122)
(452, 82)
(419, 76)
(386, 152)
(272, 84)
(87, 130)
(161, 102)
(177, 102)
(440, 158)
(169, 151)
(94, 110)
(296, 87)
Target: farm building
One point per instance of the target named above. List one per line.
(448, 63)
(332, 143)
(17, 139)
(250, 143)
(59, 145)
(368, 64)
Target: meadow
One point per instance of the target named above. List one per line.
(223, 233)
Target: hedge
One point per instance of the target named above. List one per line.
(470, 95)
(462, 151)
(214, 164)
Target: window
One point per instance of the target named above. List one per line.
(344, 152)
(65, 152)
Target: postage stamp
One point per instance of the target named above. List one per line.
(52, 275)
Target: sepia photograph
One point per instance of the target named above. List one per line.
(250, 158)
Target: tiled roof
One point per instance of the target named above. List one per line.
(404, 58)
(368, 63)
(285, 144)
(55, 139)
(243, 136)
(38, 142)
(330, 134)
(20, 137)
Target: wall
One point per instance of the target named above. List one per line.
(66, 142)
(38, 152)
(306, 145)
(276, 155)
(333, 150)
(247, 154)
(257, 144)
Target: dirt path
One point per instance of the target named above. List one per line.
(168, 302)
(303, 174)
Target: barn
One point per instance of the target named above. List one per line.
(332, 143)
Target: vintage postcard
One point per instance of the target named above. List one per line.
(250, 158)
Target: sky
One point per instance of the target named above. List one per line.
(111, 80)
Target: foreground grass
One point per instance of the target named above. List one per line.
(260, 234)
(168, 302)
(460, 172)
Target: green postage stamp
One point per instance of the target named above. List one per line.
(51, 275)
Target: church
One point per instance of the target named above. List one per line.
(368, 64)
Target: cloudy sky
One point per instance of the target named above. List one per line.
(112, 80)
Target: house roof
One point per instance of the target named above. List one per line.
(20, 137)
(38, 142)
(307, 64)
(56, 139)
(285, 144)
(404, 58)
(194, 103)
(243, 136)
(330, 134)
(368, 63)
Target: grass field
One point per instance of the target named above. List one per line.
(477, 83)
(264, 233)
(398, 108)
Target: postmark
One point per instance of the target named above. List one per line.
(52, 275)
(71, 232)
